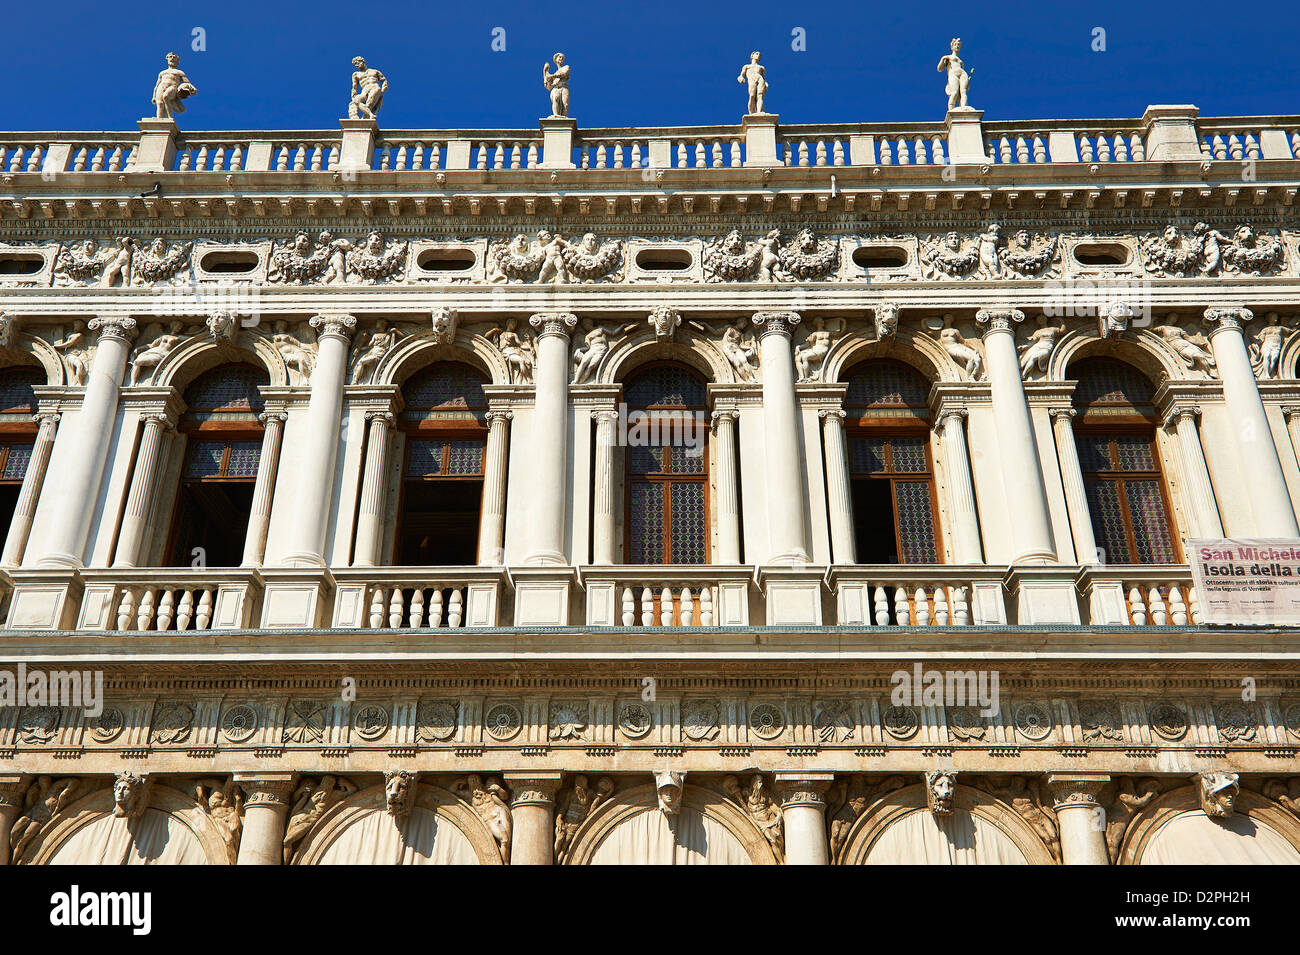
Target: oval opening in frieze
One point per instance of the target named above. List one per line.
(229, 263)
(1097, 253)
(663, 260)
(21, 264)
(880, 257)
(446, 260)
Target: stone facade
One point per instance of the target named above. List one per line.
(554, 696)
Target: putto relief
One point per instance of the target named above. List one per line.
(989, 255)
(550, 258)
(731, 259)
(1206, 251)
(327, 260)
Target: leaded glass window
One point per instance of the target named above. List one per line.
(893, 470)
(222, 459)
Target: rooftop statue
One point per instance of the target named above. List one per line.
(756, 77)
(958, 78)
(172, 87)
(368, 89)
(558, 84)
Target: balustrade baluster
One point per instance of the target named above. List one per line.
(647, 607)
(395, 608)
(1137, 610)
(717, 155)
(940, 606)
(415, 619)
(902, 613)
(435, 607)
(837, 153)
(1159, 617)
(735, 153)
(115, 163)
(1177, 608)
(455, 609)
(922, 607)
(166, 608)
(377, 603)
(960, 607)
(629, 608)
(688, 608)
(665, 607)
(706, 606)
(125, 610)
(880, 601)
(1137, 149)
(1040, 150)
(205, 610)
(144, 616)
(1121, 149)
(185, 613)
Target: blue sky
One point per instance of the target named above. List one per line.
(91, 66)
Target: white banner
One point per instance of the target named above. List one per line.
(1254, 582)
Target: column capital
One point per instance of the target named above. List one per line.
(1177, 411)
(120, 328)
(533, 788)
(957, 413)
(267, 789)
(266, 417)
(1070, 790)
(999, 319)
(1290, 411)
(827, 414)
(1068, 413)
(382, 415)
(43, 417)
(1222, 319)
(334, 325)
(159, 418)
(803, 789)
(606, 417)
(498, 416)
(12, 787)
(554, 323)
(776, 323)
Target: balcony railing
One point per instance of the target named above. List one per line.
(413, 598)
(169, 600)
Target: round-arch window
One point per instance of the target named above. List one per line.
(445, 386)
(1107, 381)
(16, 395)
(887, 383)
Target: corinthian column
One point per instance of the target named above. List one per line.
(961, 491)
(267, 797)
(370, 518)
(1269, 498)
(603, 523)
(12, 787)
(1022, 477)
(20, 528)
(492, 519)
(319, 442)
(787, 542)
(1200, 492)
(268, 465)
(550, 436)
(724, 447)
(143, 490)
(76, 485)
(1079, 817)
(1076, 495)
(532, 812)
(803, 812)
(839, 499)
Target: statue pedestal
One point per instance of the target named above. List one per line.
(358, 149)
(760, 139)
(966, 136)
(558, 134)
(1171, 133)
(157, 149)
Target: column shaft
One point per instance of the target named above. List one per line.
(1080, 819)
(787, 538)
(604, 523)
(550, 437)
(374, 484)
(839, 497)
(492, 517)
(724, 448)
(1076, 495)
(803, 813)
(268, 465)
(1200, 492)
(532, 814)
(20, 528)
(961, 489)
(262, 840)
(143, 490)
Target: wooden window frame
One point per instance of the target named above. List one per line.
(869, 427)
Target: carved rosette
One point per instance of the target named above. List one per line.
(333, 326)
(999, 319)
(120, 328)
(776, 323)
(554, 323)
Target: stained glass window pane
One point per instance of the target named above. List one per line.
(646, 519)
(1105, 381)
(887, 383)
(915, 522)
(16, 393)
(1134, 453)
(16, 463)
(866, 455)
(205, 459)
(1094, 452)
(466, 458)
(645, 459)
(244, 456)
(909, 455)
(424, 458)
(445, 385)
(1150, 522)
(665, 386)
(1108, 520)
(228, 388)
(685, 460)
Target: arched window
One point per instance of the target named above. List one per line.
(222, 449)
(888, 428)
(667, 490)
(442, 469)
(17, 433)
(1115, 433)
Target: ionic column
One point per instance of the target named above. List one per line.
(1269, 498)
(370, 516)
(1079, 817)
(1022, 477)
(76, 486)
(267, 798)
(12, 787)
(492, 518)
(787, 542)
(724, 449)
(1076, 495)
(961, 489)
(143, 490)
(319, 442)
(603, 523)
(20, 528)
(1200, 492)
(803, 811)
(550, 445)
(1292, 415)
(268, 466)
(532, 812)
(839, 498)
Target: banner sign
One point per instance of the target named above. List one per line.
(1253, 582)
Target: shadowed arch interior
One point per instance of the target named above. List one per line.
(17, 433)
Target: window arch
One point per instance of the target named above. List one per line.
(1115, 433)
(223, 447)
(895, 513)
(17, 432)
(445, 427)
(666, 466)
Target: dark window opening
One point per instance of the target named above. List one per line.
(1101, 254)
(212, 515)
(225, 263)
(439, 524)
(879, 257)
(21, 264)
(446, 260)
(663, 260)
